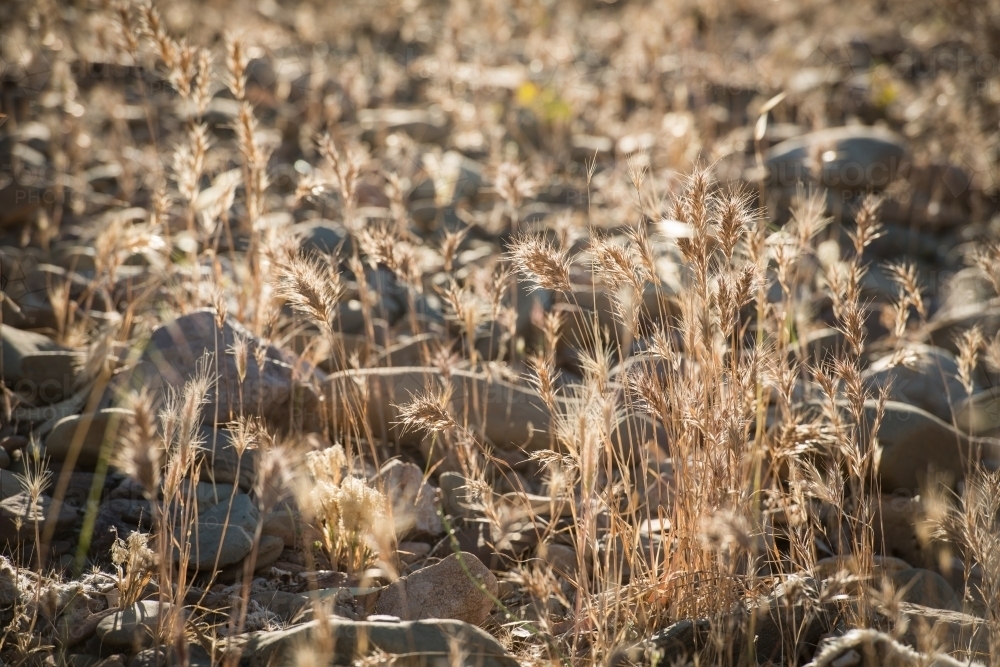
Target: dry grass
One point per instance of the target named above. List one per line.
(697, 454)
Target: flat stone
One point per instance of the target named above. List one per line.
(877, 648)
(451, 588)
(48, 377)
(16, 345)
(176, 351)
(852, 158)
(131, 628)
(161, 656)
(408, 644)
(100, 429)
(422, 125)
(18, 509)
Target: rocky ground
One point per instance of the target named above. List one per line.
(445, 333)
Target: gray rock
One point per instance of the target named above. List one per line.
(929, 380)
(409, 644)
(926, 588)
(946, 326)
(176, 350)
(878, 649)
(240, 511)
(414, 507)
(423, 125)
(560, 557)
(131, 628)
(452, 588)
(207, 494)
(212, 547)
(968, 286)
(459, 176)
(97, 429)
(516, 417)
(914, 441)
(162, 656)
(10, 485)
(324, 236)
(283, 603)
(22, 195)
(133, 510)
(854, 158)
(587, 147)
(19, 510)
(222, 463)
(48, 377)
(223, 535)
(16, 346)
(268, 551)
(980, 414)
(297, 606)
(286, 523)
(456, 498)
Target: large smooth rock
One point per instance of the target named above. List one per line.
(915, 443)
(877, 648)
(980, 414)
(18, 345)
(946, 326)
(222, 462)
(163, 656)
(452, 588)
(94, 430)
(855, 158)
(212, 547)
(926, 588)
(176, 350)
(23, 154)
(955, 630)
(18, 516)
(414, 507)
(929, 380)
(48, 377)
(240, 511)
(223, 534)
(131, 628)
(507, 414)
(408, 644)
